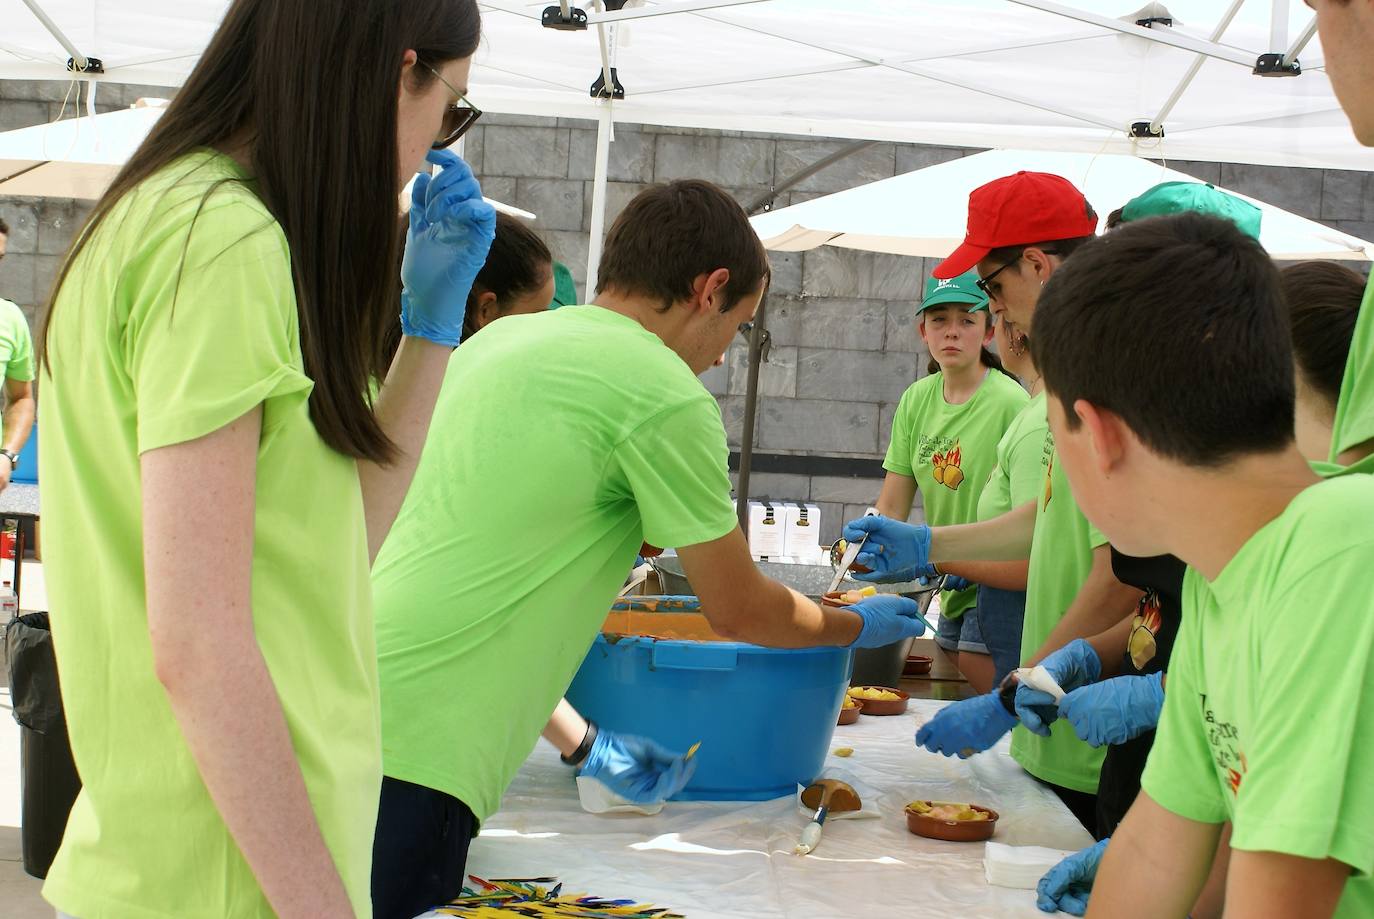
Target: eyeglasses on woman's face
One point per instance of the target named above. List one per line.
(458, 116)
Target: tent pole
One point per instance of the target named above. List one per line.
(1296, 48)
(1193, 69)
(1161, 36)
(665, 9)
(598, 228)
(78, 58)
(758, 338)
(1278, 24)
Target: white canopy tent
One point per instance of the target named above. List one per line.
(924, 212)
(1171, 80)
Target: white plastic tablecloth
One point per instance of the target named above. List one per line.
(735, 859)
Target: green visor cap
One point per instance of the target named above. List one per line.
(564, 291)
(962, 290)
(1177, 197)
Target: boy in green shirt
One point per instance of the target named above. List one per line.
(562, 441)
(1267, 715)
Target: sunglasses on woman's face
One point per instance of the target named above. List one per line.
(458, 117)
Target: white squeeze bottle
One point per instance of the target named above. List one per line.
(9, 600)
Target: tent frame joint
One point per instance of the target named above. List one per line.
(573, 20)
(1145, 129)
(1277, 64)
(92, 65)
(599, 89)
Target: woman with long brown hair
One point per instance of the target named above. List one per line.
(216, 475)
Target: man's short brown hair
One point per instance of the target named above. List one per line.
(670, 235)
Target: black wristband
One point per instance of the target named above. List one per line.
(1006, 693)
(576, 757)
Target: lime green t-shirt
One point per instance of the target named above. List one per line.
(1270, 709)
(1354, 422)
(950, 450)
(16, 345)
(170, 325)
(560, 443)
(1061, 557)
(1020, 471)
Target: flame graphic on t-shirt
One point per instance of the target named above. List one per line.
(946, 467)
(1146, 626)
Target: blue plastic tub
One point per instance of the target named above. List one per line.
(764, 716)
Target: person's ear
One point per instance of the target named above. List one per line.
(1109, 435)
(486, 309)
(708, 290)
(989, 331)
(407, 80)
(1041, 263)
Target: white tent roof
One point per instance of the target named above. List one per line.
(1027, 73)
(925, 212)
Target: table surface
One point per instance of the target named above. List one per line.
(19, 500)
(735, 859)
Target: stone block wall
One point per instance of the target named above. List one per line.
(842, 322)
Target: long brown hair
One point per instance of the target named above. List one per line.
(315, 97)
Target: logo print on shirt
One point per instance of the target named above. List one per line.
(1144, 629)
(1224, 739)
(946, 467)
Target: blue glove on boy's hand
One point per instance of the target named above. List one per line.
(1074, 665)
(636, 768)
(1113, 711)
(451, 229)
(951, 582)
(966, 727)
(895, 551)
(1066, 886)
(887, 619)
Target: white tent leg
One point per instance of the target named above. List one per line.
(603, 157)
(1193, 69)
(77, 57)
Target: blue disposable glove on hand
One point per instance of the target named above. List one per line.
(895, 551)
(1113, 711)
(887, 619)
(966, 727)
(636, 768)
(1074, 665)
(951, 582)
(1066, 886)
(451, 229)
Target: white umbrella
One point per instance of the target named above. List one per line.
(924, 212)
(79, 157)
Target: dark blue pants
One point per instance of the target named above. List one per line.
(420, 849)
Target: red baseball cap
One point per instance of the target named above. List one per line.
(1016, 210)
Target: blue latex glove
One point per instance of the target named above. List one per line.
(895, 551)
(1113, 711)
(1074, 665)
(887, 619)
(636, 768)
(966, 727)
(1066, 886)
(451, 229)
(952, 582)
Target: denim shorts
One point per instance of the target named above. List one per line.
(961, 633)
(1001, 615)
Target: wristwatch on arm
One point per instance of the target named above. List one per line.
(576, 757)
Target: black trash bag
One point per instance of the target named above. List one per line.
(34, 690)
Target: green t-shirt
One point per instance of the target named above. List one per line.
(950, 450)
(560, 443)
(16, 345)
(1354, 422)
(1020, 471)
(1269, 710)
(1061, 557)
(171, 325)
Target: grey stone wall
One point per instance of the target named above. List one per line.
(844, 338)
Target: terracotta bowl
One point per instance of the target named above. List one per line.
(849, 715)
(952, 830)
(917, 665)
(882, 706)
